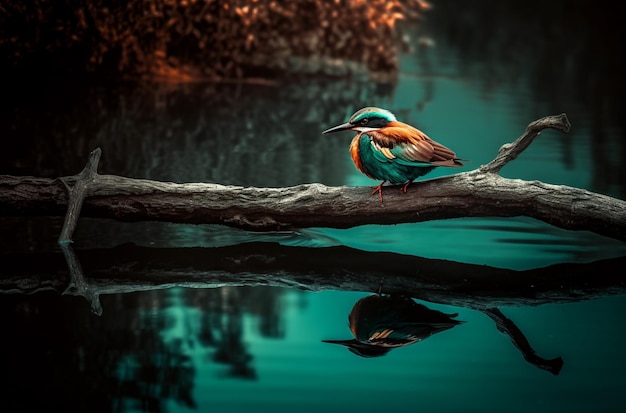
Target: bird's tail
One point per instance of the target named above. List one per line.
(455, 163)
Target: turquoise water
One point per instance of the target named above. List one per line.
(160, 352)
(260, 348)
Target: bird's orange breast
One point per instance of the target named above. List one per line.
(356, 158)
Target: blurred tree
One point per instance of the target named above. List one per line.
(215, 39)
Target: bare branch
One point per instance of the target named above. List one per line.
(77, 194)
(510, 151)
(478, 193)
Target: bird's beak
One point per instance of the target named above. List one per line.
(361, 349)
(342, 342)
(339, 128)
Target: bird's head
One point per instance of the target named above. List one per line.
(365, 120)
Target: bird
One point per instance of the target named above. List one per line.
(392, 151)
(380, 323)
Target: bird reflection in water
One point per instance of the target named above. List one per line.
(380, 323)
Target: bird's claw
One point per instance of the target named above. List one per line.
(405, 186)
(379, 189)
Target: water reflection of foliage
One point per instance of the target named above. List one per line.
(572, 54)
(59, 355)
(190, 38)
(229, 134)
(221, 323)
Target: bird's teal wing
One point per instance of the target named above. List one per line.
(409, 146)
(388, 148)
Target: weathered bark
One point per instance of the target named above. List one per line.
(77, 194)
(477, 193)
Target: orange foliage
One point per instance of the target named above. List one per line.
(215, 38)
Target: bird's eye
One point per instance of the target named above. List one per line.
(364, 121)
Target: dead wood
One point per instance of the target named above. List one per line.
(478, 193)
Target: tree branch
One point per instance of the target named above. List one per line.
(510, 151)
(477, 193)
(77, 194)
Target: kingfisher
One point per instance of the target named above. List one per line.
(392, 151)
(380, 323)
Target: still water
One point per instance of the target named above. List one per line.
(256, 344)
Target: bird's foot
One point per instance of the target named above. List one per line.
(379, 189)
(405, 186)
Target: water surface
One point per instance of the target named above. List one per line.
(260, 348)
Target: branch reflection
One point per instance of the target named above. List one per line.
(129, 268)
